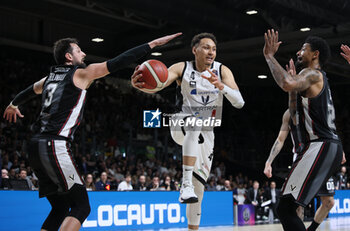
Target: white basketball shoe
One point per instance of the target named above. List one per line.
(187, 194)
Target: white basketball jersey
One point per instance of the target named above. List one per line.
(198, 96)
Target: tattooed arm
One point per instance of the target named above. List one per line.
(285, 80)
(277, 146)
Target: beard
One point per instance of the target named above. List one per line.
(299, 66)
(82, 64)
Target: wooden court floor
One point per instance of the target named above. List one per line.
(331, 224)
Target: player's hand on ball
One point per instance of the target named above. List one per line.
(135, 78)
(268, 170)
(214, 79)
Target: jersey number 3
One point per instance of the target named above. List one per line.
(50, 89)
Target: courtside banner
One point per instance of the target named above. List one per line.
(341, 204)
(23, 210)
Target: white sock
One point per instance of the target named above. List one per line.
(187, 172)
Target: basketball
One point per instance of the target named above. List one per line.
(154, 74)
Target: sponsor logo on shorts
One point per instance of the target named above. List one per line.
(292, 188)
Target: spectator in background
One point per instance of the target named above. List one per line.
(253, 194)
(103, 184)
(154, 186)
(141, 184)
(212, 184)
(89, 183)
(220, 184)
(227, 186)
(125, 185)
(167, 184)
(342, 179)
(12, 174)
(5, 184)
(241, 194)
(253, 197)
(273, 194)
(177, 185)
(23, 176)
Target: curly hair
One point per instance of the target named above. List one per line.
(319, 44)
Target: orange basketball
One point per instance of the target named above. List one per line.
(154, 74)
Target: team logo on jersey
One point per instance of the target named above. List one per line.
(193, 92)
(205, 101)
(215, 71)
(193, 84)
(151, 118)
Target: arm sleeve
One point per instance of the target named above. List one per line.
(127, 57)
(24, 96)
(234, 96)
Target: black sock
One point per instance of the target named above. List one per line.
(313, 226)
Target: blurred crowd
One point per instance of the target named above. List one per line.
(114, 152)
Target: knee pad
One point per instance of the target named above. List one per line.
(193, 211)
(79, 203)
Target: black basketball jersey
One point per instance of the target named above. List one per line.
(317, 115)
(62, 103)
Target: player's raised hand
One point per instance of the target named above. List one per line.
(346, 52)
(214, 79)
(271, 43)
(268, 170)
(291, 68)
(163, 40)
(11, 114)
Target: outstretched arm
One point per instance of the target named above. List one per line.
(286, 81)
(277, 146)
(12, 111)
(228, 86)
(98, 70)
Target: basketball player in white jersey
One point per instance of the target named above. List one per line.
(201, 85)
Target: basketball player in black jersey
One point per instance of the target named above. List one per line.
(315, 112)
(63, 98)
(326, 193)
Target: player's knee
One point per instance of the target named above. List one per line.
(80, 208)
(286, 207)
